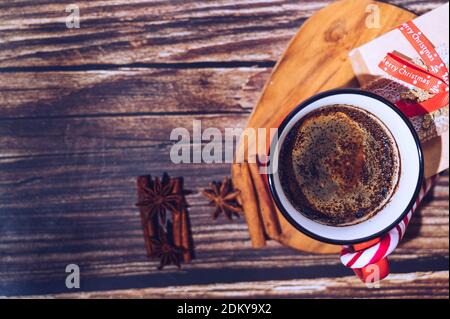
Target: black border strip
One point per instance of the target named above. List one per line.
(408, 207)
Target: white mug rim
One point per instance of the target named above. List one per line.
(288, 119)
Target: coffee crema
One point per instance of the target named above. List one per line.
(339, 165)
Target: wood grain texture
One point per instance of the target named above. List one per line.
(85, 111)
(125, 92)
(121, 32)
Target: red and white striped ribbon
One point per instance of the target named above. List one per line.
(388, 242)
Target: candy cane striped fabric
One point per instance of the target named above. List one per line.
(388, 242)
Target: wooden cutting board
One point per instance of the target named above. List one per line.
(316, 60)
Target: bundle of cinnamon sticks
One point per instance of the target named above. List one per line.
(178, 224)
(260, 213)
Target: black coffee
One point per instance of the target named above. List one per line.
(339, 165)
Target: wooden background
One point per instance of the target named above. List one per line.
(84, 111)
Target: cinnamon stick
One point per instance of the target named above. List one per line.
(186, 236)
(181, 226)
(243, 182)
(266, 208)
(176, 216)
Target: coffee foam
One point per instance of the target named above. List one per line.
(340, 165)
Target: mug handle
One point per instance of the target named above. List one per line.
(366, 273)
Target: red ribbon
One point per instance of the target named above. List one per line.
(433, 79)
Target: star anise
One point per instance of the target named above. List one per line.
(223, 197)
(166, 252)
(158, 198)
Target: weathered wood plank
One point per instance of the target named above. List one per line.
(130, 92)
(121, 32)
(413, 285)
(74, 135)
